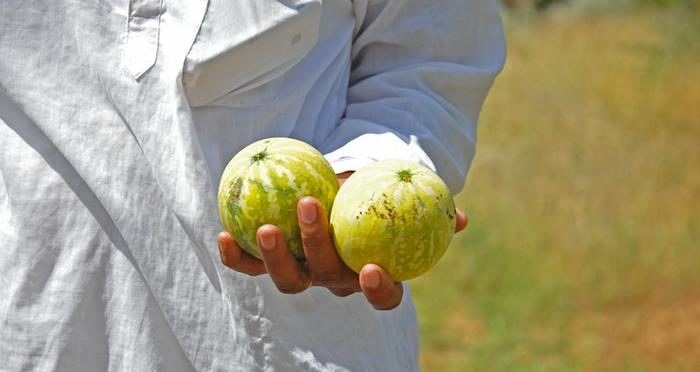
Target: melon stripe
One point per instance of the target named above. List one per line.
(274, 174)
(400, 225)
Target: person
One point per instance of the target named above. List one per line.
(116, 120)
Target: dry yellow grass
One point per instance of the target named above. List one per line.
(583, 251)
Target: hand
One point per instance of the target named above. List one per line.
(323, 266)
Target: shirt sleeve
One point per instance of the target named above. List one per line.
(420, 73)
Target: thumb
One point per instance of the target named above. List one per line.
(380, 290)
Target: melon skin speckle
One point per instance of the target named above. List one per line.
(394, 213)
(263, 183)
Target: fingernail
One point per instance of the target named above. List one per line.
(308, 213)
(268, 241)
(372, 279)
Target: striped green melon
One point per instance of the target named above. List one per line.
(263, 183)
(397, 214)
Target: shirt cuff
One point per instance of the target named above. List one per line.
(370, 147)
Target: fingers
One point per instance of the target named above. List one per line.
(285, 271)
(234, 257)
(379, 289)
(325, 266)
(462, 220)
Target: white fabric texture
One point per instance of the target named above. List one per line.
(116, 120)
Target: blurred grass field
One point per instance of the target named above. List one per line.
(583, 250)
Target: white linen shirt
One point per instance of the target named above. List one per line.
(116, 120)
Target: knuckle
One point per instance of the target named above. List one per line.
(342, 292)
(325, 277)
(313, 239)
(253, 272)
(290, 288)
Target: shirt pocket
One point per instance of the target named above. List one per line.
(244, 47)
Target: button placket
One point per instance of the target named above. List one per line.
(142, 36)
